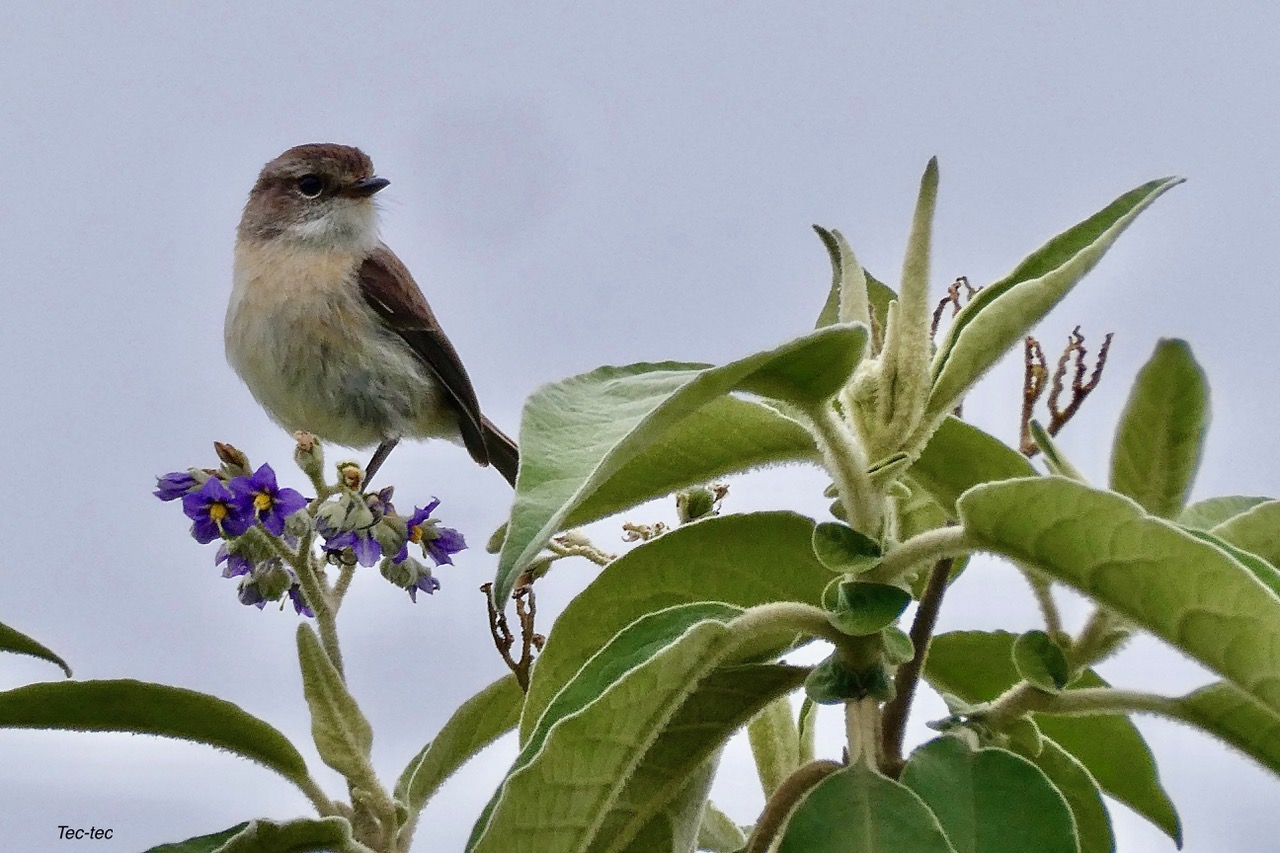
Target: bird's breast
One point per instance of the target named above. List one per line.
(312, 352)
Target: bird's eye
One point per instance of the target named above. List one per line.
(310, 185)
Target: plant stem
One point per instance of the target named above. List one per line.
(318, 599)
(1043, 592)
(893, 720)
(342, 584)
(1076, 703)
(862, 731)
(930, 546)
(784, 801)
(847, 465)
(783, 616)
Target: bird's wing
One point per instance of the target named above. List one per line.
(390, 290)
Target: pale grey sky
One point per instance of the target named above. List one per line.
(573, 185)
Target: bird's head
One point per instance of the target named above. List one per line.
(320, 195)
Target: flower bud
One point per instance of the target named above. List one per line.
(350, 476)
(309, 455)
(234, 462)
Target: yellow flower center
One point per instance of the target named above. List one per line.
(217, 511)
(415, 534)
(262, 501)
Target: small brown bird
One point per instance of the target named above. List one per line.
(327, 327)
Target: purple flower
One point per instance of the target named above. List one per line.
(175, 485)
(426, 583)
(438, 542)
(299, 603)
(366, 548)
(216, 512)
(251, 595)
(265, 501)
(237, 564)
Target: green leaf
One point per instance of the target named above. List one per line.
(842, 549)
(1265, 572)
(835, 682)
(578, 434)
(977, 666)
(856, 810)
(863, 607)
(1054, 458)
(676, 827)
(1188, 592)
(1209, 513)
(302, 835)
(557, 795)
(1077, 786)
(879, 294)
(1001, 313)
(201, 844)
(718, 833)
(903, 368)
(478, 722)
(1161, 432)
(1040, 661)
(725, 436)
(1256, 530)
(720, 705)
(847, 300)
(342, 735)
(990, 800)
(743, 560)
(152, 709)
(1228, 713)
(960, 456)
(805, 725)
(20, 643)
(775, 744)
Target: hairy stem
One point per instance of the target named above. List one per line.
(322, 606)
(930, 546)
(1043, 592)
(784, 801)
(893, 721)
(862, 731)
(847, 465)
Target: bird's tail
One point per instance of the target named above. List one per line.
(503, 453)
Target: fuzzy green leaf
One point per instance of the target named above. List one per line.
(775, 744)
(856, 810)
(977, 666)
(557, 796)
(1256, 530)
(722, 703)
(1040, 661)
(342, 735)
(19, 643)
(960, 456)
(718, 833)
(578, 434)
(990, 800)
(1001, 313)
(1228, 713)
(1209, 513)
(842, 549)
(1188, 592)
(201, 844)
(1161, 433)
(847, 300)
(717, 559)
(152, 709)
(478, 722)
(303, 835)
(1078, 787)
(864, 608)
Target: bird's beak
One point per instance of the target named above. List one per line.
(364, 187)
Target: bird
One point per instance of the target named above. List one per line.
(327, 327)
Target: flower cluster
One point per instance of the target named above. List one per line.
(260, 526)
(229, 509)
